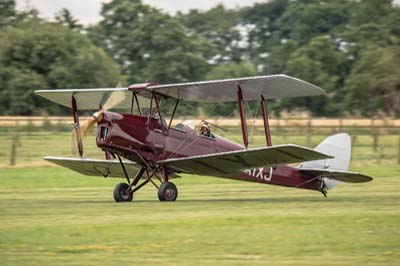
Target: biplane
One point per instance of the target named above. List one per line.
(142, 147)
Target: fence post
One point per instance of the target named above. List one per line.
(374, 135)
(380, 154)
(376, 140)
(308, 134)
(398, 149)
(353, 142)
(14, 145)
(278, 126)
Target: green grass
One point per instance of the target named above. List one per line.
(52, 216)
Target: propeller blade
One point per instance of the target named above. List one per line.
(78, 134)
(115, 98)
(87, 126)
(80, 131)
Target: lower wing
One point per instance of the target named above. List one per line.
(95, 167)
(224, 163)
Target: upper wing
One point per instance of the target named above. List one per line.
(221, 164)
(96, 167)
(340, 175)
(90, 99)
(86, 99)
(272, 87)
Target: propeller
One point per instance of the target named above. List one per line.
(108, 102)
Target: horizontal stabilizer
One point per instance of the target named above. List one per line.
(224, 163)
(340, 175)
(95, 167)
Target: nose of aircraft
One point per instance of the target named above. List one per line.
(98, 116)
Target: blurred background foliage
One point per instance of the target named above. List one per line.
(349, 48)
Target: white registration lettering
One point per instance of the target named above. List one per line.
(270, 175)
(259, 173)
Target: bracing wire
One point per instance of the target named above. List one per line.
(254, 115)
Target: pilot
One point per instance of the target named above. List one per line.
(205, 130)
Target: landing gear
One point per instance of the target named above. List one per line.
(167, 192)
(323, 188)
(122, 193)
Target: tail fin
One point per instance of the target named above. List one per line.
(339, 146)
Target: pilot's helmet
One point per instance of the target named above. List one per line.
(205, 125)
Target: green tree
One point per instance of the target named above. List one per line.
(319, 63)
(232, 70)
(35, 54)
(367, 11)
(278, 57)
(306, 19)
(264, 33)
(148, 44)
(7, 12)
(65, 18)
(374, 82)
(372, 22)
(220, 27)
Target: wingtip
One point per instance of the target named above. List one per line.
(319, 90)
(367, 178)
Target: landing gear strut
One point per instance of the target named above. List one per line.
(167, 191)
(323, 188)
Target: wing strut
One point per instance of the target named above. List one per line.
(76, 126)
(266, 123)
(242, 116)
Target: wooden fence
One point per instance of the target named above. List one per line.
(378, 139)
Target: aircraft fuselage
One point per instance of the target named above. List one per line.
(138, 137)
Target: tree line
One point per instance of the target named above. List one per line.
(349, 48)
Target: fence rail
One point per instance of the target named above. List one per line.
(25, 140)
(287, 121)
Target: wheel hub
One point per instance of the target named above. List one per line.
(124, 194)
(169, 193)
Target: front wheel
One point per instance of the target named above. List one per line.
(121, 193)
(167, 192)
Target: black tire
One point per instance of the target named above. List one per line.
(120, 193)
(167, 192)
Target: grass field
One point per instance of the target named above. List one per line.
(52, 216)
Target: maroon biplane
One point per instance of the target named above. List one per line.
(155, 150)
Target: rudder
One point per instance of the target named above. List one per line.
(339, 146)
